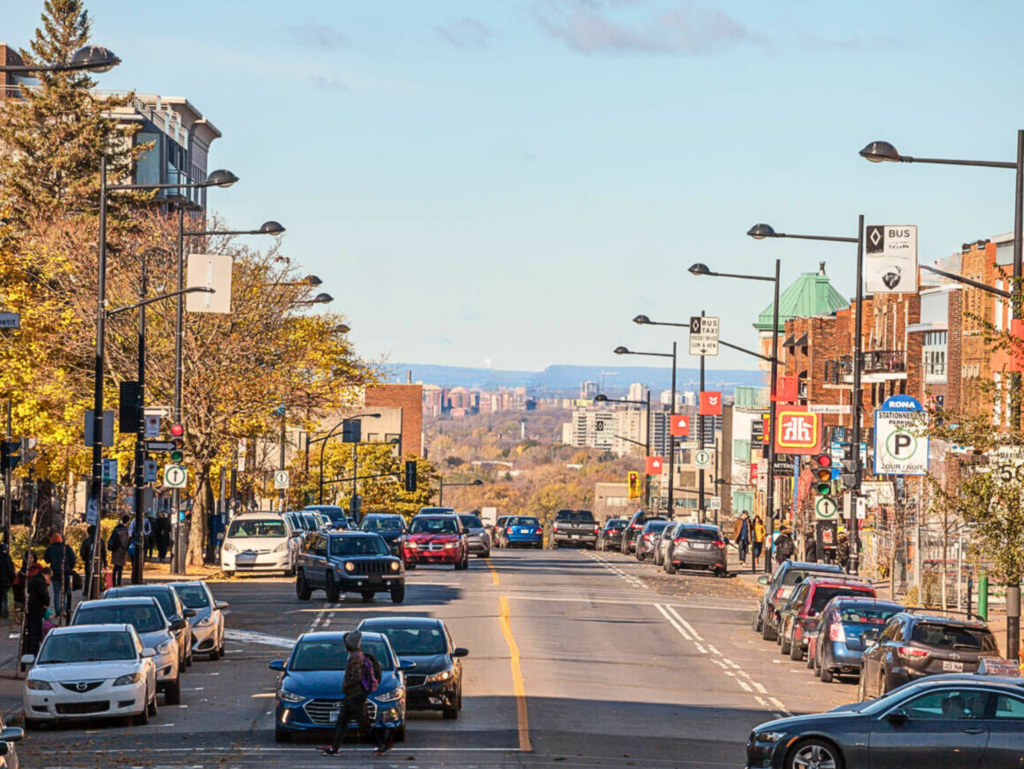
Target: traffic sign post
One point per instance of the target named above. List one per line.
(175, 477)
(149, 471)
(281, 479)
(703, 335)
(152, 426)
(702, 459)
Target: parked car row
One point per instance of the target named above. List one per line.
(120, 651)
(672, 545)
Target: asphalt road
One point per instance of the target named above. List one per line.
(577, 659)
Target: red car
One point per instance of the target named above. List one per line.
(798, 621)
(440, 539)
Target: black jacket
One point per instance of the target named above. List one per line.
(352, 684)
(57, 555)
(85, 552)
(6, 571)
(38, 595)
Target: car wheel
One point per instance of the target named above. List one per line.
(302, 589)
(141, 719)
(367, 595)
(333, 594)
(755, 623)
(767, 632)
(280, 736)
(720, 572)
(811, 660)
(182, 664)
(786, 644)
(172, 693)
(153, 706)
(398, 594)
(189, 659)
(640, 555)
(796, 651)
(816, 753)
(670, 568)
(458, 566)
(484, 555)
(825, 675)
(862, 689)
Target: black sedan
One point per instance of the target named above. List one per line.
(940, 722)
(390, 528)
(435, 683)
(610, 537)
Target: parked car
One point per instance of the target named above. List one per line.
(172, 606)
(308, 696)
(436, 539)
(798, 622)
(90, 671)
(647, 542)
(156, 631)
(498, 531)
(337, 515)
(9, 737)
(256, 542)
(780, 586)
(578, 528)
(523, 531)
(435, 683)
(636, 524)
(840, 642)
(663, 541)
(975, 723)
(479, 539)
(918, 643)
(348, 562)
(208, 623)
(610, 537)
(390, 528)
(696, 546)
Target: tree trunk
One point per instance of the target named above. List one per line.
(200, 511)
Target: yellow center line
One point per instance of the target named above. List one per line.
(517, 670)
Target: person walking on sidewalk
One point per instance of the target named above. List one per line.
(784, 546)
(37, 604)
(6, 579)
(62, 560)
(86, 552)
(741, 535)
(362, 675)
(118, 547)
(759, 535)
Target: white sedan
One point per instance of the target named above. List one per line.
(90, 671)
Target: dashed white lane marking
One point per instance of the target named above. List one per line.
(248, 636)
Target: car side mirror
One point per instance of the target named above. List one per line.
(148, 653)
(12, 734)
(897, 716)
(28, 659)
(406, 665)
(277, 665)
(763, 580)
(221, 605)
(188, 613)
(179, 624)
(460, 652)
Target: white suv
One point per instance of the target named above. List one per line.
(257, 542)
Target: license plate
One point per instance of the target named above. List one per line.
(332, 716)
(246, 558)
(522, 531)
(574, 536)
(953, 667)
(376, 579)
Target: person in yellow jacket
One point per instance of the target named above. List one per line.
(759, 535)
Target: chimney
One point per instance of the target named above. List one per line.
(821, 268)
(408, 376)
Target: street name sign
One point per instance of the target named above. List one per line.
(281, 480)
(175, 477)
(10, 320)
(901, 447)
(890, 258)
(703, 335)
(825, 408)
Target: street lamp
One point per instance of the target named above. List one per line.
(602, 398)
(759, 232)
(318, 299)
(91, 58)
(672, 411)
(762, 231)
(440, 491)
(330, 434)
(883, 151)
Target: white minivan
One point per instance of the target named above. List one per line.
(257, 542)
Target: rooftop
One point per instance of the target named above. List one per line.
(810, 295)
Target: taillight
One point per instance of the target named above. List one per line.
(647, 536)
(634, 525)
(679, 539)
(779, 593)
(718, 543)
(508, 530)
(837, 633)
(596, 528)
(539, 531)
(910, 651)
(554, 527)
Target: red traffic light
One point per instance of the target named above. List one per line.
(177, 429)
(823, 460)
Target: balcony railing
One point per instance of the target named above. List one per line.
(872, 362)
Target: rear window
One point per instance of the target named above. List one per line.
(575, 516)
(823, 595)
(193, 596)
(656, 526)
(953, 637)
(615, 524)
(257, 528)
(522, 521)
(796, 576)
(868, 614)
(708, 535)
(144, 618)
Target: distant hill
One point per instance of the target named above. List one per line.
(565, 380)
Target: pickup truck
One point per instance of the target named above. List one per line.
(575, 527)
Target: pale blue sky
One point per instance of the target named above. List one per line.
(515, 180)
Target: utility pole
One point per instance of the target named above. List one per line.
(700, 443)
(140, 439)
(8, 496)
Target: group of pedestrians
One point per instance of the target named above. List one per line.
(749, 536)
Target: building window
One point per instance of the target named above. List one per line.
(741, 450)
(933, 353)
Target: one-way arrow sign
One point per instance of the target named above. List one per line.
(159, 445)
(703, 335)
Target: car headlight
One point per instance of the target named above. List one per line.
(411, 545)
(350, 567)
(39, 685)
(450, 545)
(128, 680)
(281, 548)
(229, 548)
(288, 696)
(770, 736)
(205, 621)
(395, 694)
(164, 647)
(395, 566)
(444, 675)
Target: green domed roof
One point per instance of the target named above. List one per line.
(809, 295)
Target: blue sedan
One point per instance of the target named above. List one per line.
(523, 530)
(309, 697)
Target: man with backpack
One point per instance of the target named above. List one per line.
(118, 547)
(362, 675)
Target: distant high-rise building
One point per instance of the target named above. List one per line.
(638, 391)
(588, 390)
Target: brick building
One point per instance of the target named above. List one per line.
(407, 400)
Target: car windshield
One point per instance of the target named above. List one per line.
(257, 528)
(415, 640)
(145, 619)
(616, 524)
(87, 647)
(471, 522)
(867, 614)
(193, 596)
(575, 516)
(825, 594)
(163, 597)
(383, 524)
(655, 526)
(433, 526)
(298, 523)
(705, 535)
(953, 637)
(336, 516)
(317, 654)
(358, 545)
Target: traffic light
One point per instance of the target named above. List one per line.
(848, 476)
(178, 439)
(10, 455)
(822, 469)
(351, 431)
(410, 475)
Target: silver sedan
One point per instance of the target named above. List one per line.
(208, 624)
(479, 538)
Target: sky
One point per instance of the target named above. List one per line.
(510, 182)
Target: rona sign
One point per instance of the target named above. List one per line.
(901, 445)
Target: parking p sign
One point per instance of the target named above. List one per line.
(901, 447)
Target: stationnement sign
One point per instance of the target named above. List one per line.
(703, 335)
(901, 446)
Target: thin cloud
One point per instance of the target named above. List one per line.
(319, 35)
(468, 314)
(327, 83)
(466, 33)
(440, 339)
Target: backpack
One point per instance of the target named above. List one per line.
(113, 543)
(371, 673)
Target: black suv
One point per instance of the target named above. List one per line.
(348, 562)
(783, 582)
(610, 537)
(634, 527)
(574, 527)
(389, 527)
(918, 642)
